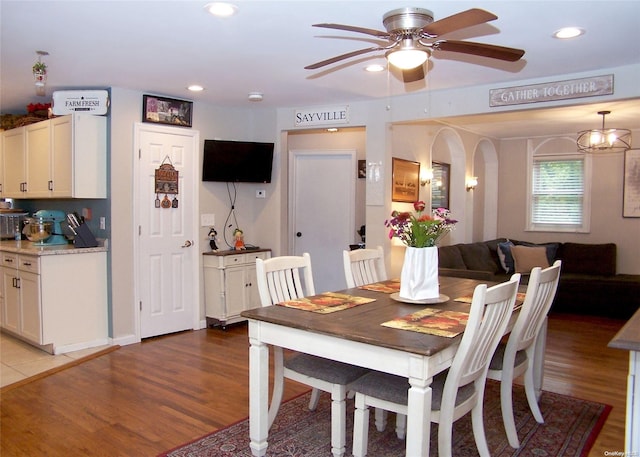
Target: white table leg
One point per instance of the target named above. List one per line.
(258, 394)
(632, 427)
(538, 359)
(419, 418)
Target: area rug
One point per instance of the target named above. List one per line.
(570, 429)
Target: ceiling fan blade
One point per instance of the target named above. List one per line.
(458, 21)
(414, 74)
(480, 49)
(351, 28)
(341, 57)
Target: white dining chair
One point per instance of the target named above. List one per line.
(456, 391)
(364, 266)
(516, 356)
(287, 278)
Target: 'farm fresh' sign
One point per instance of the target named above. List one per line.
(322, 116)
(559, 90)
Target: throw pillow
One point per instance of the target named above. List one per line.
(526, 258)
(477, 256)
(506, 259)
(552, 249)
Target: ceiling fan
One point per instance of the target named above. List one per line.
(413, 36)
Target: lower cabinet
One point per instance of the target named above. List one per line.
(21, 283)
(230, 284)
(57, 302)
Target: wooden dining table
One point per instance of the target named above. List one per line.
(356, 336)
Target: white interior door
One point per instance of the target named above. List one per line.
(167, 243)
(322, 211)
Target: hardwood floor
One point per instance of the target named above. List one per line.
(147, 398)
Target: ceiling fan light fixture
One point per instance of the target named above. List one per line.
(406, 59)
(604, 140)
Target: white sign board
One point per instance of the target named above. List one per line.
(83, 101)
(557, 90)
(330, 115)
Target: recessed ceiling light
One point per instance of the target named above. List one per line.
(221, 9)
(568, 32)
(374, 68)
(332, 129)
(255, 96)
(195, 88)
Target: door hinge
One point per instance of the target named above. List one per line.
(139, 153)
(140, 305)
(139, 230)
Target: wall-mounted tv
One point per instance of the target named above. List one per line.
(237, 161)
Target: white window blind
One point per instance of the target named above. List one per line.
(557, 194)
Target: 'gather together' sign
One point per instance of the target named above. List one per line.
(558, 90)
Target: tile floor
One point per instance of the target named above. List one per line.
(19, 360)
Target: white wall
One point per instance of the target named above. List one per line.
(264, 221)
(607, 223)
(255, 216)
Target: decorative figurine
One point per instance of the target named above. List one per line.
(239, 243)
(212, 239)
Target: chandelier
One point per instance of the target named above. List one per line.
(604, 140)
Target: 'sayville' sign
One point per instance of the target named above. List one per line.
(558, 90)
(328, 115)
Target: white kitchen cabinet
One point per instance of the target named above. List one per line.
(79, 156)
(230, 285)
(22, 296)
(37, 160)
(13, 169)
(63, 157)
(11, 309)
(1, 172)
(37, 311)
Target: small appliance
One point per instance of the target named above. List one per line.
(11, 220)
(56, 217)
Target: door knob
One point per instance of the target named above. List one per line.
(299, 234)
(187, 244)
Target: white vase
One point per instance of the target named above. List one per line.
(419, 277)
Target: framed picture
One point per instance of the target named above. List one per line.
(362, 169)
(440, 185)
(162, 110)
(631, 186)
(406, 181)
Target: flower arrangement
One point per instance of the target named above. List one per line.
(39, 67)
(34, 107)
(420, 230)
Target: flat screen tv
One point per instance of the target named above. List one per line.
(237, 161)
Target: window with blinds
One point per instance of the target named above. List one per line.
(557, 200)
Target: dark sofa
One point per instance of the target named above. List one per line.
(588, 283)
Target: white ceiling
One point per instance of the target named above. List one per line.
(161, 47)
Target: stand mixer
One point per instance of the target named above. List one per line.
(56, 235)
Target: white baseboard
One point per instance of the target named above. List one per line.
(79, 346)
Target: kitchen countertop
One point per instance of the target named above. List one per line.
(28, 248)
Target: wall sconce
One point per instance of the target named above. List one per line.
(472, 182)
(426, 176)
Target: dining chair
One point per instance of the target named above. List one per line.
(364, 266)
(516, 356)
(286, 278)
(456, 391)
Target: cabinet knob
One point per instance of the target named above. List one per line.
(298, 234)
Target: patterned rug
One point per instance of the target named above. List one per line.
(570, 428)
